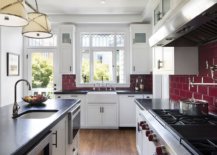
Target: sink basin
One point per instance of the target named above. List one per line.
(102, 92)
(37, 114)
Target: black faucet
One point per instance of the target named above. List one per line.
(16, 106)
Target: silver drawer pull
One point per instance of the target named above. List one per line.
(131, 96)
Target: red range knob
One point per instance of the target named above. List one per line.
(142, 122)
(152, 137)
(145, 127)
(161, 150)
(148, 132)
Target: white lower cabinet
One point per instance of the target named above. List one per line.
(83, 104)
(59, 138)
(127, 109)
(94, 116)
(102, 116)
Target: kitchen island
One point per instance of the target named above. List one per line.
(18, 136)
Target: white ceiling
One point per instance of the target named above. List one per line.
(91, 7)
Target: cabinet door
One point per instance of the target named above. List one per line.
(93, 115)
(127, 111)
(168, 59)
(66, 59)
(141, 60)
(109, 115)
(59, 138)
(158, 59)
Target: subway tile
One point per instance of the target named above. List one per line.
(213, 91)
(202, 89)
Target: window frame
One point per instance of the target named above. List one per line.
(118, 30)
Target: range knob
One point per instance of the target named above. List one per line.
(142, 122)
(145, 127)
(148, 132)
(152, 137)
(161, 150)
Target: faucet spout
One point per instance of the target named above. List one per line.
(16, 106)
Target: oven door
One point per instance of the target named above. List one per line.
(74, 123)
(44, 147)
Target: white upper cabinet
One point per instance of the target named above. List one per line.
(66, 48)
(164, 9)
(140, 49)
(175, 60)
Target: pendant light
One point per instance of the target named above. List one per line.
(38, 26)
(13, 13)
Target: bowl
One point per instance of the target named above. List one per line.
(35, 100)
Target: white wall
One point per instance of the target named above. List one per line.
(11, 41)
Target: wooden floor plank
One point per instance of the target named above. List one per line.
(107, 142)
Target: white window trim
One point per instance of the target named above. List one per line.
(103, 29)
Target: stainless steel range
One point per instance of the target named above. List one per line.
(167, 132)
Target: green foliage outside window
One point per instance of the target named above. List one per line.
(42, 73)
(100, 70)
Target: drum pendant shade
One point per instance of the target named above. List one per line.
(13, 13)
(38, 26)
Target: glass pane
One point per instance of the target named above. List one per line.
(85, 40)
(120, 76)
(140, 38)
(85, 71)
(103, 40)
(157, 14)
(102, 66)
(120, 40)
(66, 38)
(42, 73)
(165, 6)
(43, 42)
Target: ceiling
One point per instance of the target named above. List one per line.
(91, 7)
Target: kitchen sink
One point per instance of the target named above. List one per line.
(37, 114)
(99, 97)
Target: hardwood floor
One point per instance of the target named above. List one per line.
(108, 142)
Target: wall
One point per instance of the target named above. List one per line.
(69, 82)
(11, 41)
(179, 85)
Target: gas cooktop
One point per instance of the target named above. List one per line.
(197, 133)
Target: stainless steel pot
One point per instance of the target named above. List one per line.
(193, 107)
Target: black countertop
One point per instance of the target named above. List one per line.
(147, 104)
(86, 91)
(18, 135)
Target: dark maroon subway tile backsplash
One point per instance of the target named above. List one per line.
(179, 84)
(69, 82)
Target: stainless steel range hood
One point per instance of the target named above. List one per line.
(193, 25)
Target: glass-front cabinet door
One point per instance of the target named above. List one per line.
(161, 9)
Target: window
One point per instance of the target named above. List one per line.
(48, 42)
(102, 58)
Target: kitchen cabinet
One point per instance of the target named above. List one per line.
(102, 110)
(162, 7)
(140, 51)
(127, 109)
(66, 48)
(82, 103)
(102, 115)
(59, 138)
(175, 60)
